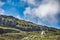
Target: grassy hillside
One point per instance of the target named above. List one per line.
(12, 28)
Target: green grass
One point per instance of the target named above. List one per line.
(28, 36)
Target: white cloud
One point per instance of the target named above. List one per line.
(18, 17)
(46, 11)
(2, 11)
(29, 1)
(1, 3)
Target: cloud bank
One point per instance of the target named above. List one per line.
(45, 10)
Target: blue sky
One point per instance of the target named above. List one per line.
(43, 12)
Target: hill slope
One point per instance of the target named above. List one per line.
(12, 28)
(12, 22)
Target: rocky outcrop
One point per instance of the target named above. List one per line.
(4, 21)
